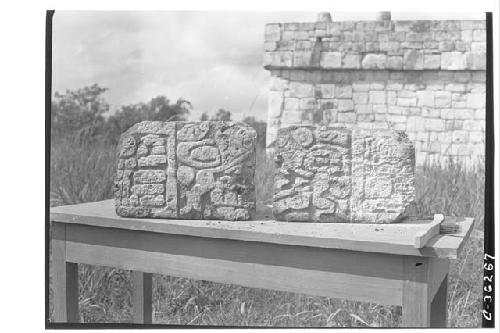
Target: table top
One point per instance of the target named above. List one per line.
(397, 238)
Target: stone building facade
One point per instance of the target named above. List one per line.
(424, 77)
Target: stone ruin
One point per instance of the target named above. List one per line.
(424, 77)
(335, 174)
(186, 170)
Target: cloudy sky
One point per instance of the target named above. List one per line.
(212, 59)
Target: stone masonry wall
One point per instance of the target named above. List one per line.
(424, 77)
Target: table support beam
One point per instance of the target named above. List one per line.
(142, 300)
(64, 279)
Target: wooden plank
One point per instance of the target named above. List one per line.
(416, 301)
(438, 270)
(423, 236)
(64, 279)
(313, 282)
(142, 297)
(302, 257)
(449, 246)
(386, 238)
(439, 305)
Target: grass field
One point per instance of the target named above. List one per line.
(86, 174)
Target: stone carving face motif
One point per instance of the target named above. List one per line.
(186, 170)
(328, 174)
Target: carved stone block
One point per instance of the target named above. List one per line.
(186, 170)
(332, 174)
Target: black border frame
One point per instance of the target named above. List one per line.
(489, 203)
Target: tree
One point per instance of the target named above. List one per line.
(222, 114)
(161, 109)
(258, 125)
(204, 116)
(79, 112)
(158, 108)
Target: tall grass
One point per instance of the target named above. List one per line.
(81, 173)
(458, 191)
(452, 189)
(86, 174)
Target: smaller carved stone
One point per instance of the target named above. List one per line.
(329, 174)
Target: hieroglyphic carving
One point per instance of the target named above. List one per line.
(328, 174)
(187, 170)
(383, 175)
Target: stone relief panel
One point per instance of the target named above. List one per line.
(186, 170)
(333, 174)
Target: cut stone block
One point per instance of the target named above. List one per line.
(334, 174)
(186, 170)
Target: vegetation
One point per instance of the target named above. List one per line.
(82, 171)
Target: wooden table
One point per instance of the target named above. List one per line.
(371, 263)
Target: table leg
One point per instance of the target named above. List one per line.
(425, 292)
(64, 279)
(142, 293)
(416, 303)
(439, 305)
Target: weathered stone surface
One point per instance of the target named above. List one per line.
(453, 61)
(432, 61)
(374, 61)
(186, 170)
(331, 45)
(334, 174)
(331, 59)
(425, 77)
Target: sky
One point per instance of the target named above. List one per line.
(212, 59)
